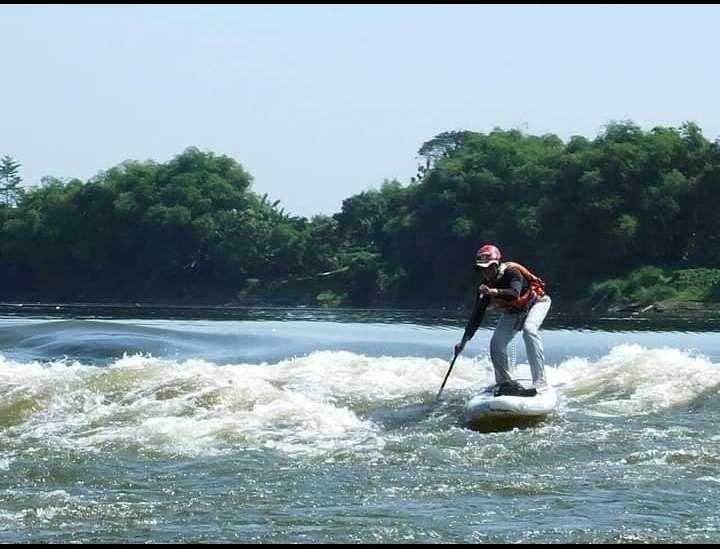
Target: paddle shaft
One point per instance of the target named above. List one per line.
(447, 375)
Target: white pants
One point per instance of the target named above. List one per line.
(508, 325)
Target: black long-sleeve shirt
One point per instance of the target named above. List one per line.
(510, 284)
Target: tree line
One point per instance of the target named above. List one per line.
(576, 212)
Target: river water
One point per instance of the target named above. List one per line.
(298, 425)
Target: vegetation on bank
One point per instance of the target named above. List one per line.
(659, 287)
(628, 216)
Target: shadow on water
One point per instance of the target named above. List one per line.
(405, 416)
(448, 412)
(429, 410)
(503, 424)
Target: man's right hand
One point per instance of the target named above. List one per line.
(459, 347)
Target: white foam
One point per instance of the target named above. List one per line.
(310, 405)
(333, 374)
(668, 457)
(299, 406)
(9, 521)
(632, 380)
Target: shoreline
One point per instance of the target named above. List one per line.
(580, 307)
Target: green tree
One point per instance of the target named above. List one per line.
(10, 181)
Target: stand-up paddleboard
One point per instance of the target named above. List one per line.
(485, 410)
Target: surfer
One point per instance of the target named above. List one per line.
(521, 295)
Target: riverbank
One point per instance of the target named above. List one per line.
(582, 307)
(635, 308)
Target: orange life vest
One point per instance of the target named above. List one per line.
(535, 288)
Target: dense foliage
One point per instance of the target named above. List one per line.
(577, 212)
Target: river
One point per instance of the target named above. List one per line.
(311, 426)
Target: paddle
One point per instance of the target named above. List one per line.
(457, 353)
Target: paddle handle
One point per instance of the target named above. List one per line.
(447, 375)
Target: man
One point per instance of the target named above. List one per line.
(525, 304)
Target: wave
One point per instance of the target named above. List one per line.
(633, 380)
(324, 403)
(302, 405)
(98, 342)
(102, 343)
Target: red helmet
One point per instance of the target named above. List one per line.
(487, 255)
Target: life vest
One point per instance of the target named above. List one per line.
(535, 289)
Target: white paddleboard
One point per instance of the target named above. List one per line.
(486, 409)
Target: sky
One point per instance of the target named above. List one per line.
(322, 102)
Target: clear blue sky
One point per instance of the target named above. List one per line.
(321, 102)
